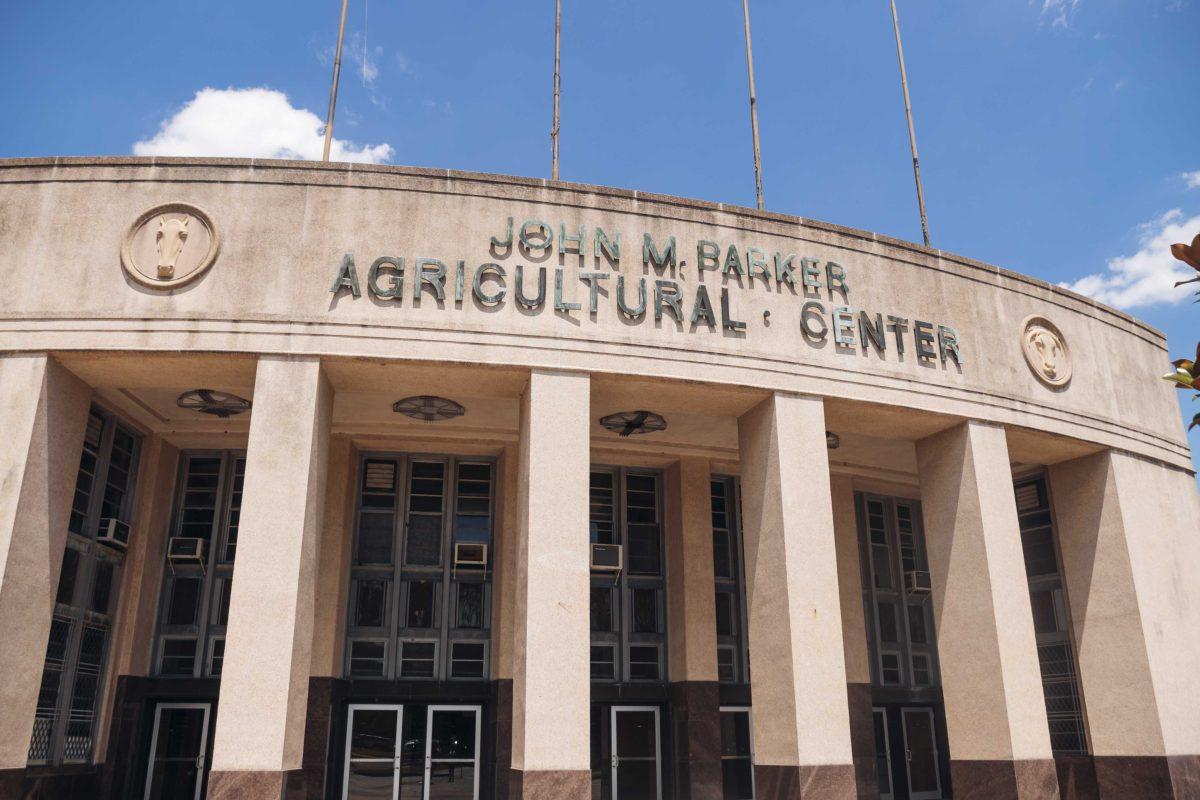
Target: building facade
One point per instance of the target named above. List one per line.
(327, 481)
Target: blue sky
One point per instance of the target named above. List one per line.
(1057, 136)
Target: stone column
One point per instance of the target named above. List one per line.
(854, 636)
(43, 413)
(551, 662)
(991, 680)
(797, 666)
(264, 683)
(1127, 533)
(692, 626)
(504, 578)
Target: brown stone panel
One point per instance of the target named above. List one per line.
(255, 785)
(1004, 780)
(776, 782)
(317, 732)
(503, 737)
(1143, 777)
(862, 739)
(11, 781)
(828, 782)
(696, 716)
(1076, 778)
(550, 784)
(1185, 776)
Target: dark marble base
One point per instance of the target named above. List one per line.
(549, 784)
(1076, 778)
(696, 718)
(1185, 776)
(318, 732)
(50, 783)
(1147, 777)
(11, 782)
(821, 782)
(1004, 780)
(503, 737)
(256, 785)
(862, 739)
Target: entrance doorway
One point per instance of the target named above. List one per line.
(636, 753)
(920, 752)
(883, 754)
(178, 752)
(737, 753)
(413, 753)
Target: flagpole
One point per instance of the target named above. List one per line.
(337, 68)
(557, 89)
(912, 133)
(753, 108)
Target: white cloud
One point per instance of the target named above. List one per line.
(1148, 276)
(1192, 179)
(1059, 12)
(251, 123)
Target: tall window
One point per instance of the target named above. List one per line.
(194, 608)
(1060, 683)
(733, 664)
(86, 600)
(420, 598)
(898, 608)
(628, 612)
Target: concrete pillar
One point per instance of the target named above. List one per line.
(264, 683)
(504, 580)
(854, 636)
(43, 413)
(551, 662)
(991, 680)
(797, 666)
(333, 567)
(692, 626)
(1130, 546)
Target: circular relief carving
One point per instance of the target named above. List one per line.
(1046, 351)
(170, 245)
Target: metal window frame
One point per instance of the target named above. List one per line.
(740, 641)
(399, 574)
(397, 751)
(77, 611)
(887, 751)
(937, 770)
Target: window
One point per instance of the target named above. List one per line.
(85, 598)
(899, 623)
(413, 613)
(1047, 600)
(627, 615)
(643, 663)
(732, 655)
(194, 604)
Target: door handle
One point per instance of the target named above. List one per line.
(200, 762)
(907, 754)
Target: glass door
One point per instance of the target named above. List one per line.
(737, 754)
(373, 756)
(883, 753)
(636, 753)
(920, 751)
(452, 753)
(178, 750)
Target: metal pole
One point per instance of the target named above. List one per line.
(912, 133)
(557, 89)
(337, 69)
(753, 108)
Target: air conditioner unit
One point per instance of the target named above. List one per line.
(607, 558)
(916, 581)
(470, 555)
(113, 532)
(183, 551)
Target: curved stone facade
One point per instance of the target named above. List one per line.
(956, 503)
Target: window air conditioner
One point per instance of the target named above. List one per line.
(113, 532)
(470, 555)
(916, 581)
(607, 558)
(183, 551)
